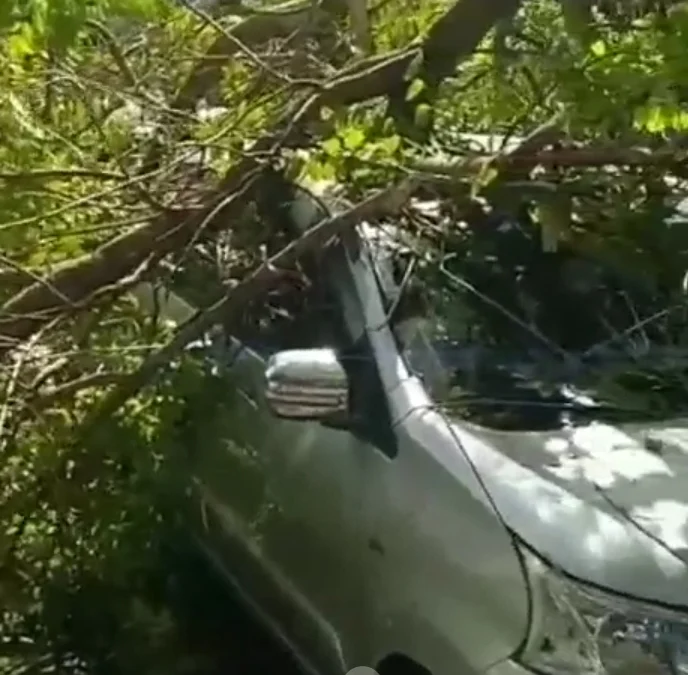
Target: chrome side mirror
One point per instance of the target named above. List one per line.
(306, 384)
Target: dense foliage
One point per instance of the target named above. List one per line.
(128, 128)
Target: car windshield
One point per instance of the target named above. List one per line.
(513, 337)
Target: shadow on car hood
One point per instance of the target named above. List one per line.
(608, 504)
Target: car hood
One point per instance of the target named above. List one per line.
(606, 503)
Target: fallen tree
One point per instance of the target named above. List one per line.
(101, 188)
(127, 259)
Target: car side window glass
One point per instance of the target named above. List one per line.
(301, 311)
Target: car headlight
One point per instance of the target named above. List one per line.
(576, 629)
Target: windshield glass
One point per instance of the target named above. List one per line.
(512, 336)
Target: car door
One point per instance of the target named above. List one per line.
(285, 498)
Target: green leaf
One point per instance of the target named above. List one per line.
(598, 48)
(390, 145)
(679, 120)
(414, 67)
(414, 89)
(422, 116)
(332, 147)
(388, 126)
(653, 119)
(39, 16)
(353, 138)
(22, 43)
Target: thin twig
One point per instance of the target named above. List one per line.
(47, 398)
(25, 271)
(58, 174)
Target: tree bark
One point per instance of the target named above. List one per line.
(452, 38)
(253, 31)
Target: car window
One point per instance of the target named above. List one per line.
(514, 337)
(303, 310)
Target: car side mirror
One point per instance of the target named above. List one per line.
(306, 384)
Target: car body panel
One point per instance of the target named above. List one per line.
(306, 538)
(317, 539)
(641, 470)
(305, 534)
(443, 575)
(581, 534)
(308, 549)
(508, 667)
(240, 530)
(596, 501)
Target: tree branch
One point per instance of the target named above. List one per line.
(252, 31)
(451, 39)
(58, 174)
(86, 277)
(564, 157)
(82, 279)
(257, 283)
(49, 397)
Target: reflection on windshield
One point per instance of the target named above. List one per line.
(507, 392)
(534, 340)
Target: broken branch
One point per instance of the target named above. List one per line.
(563, 157)
(85, 277)
(255, 284)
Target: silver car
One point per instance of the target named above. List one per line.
(368, 511)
